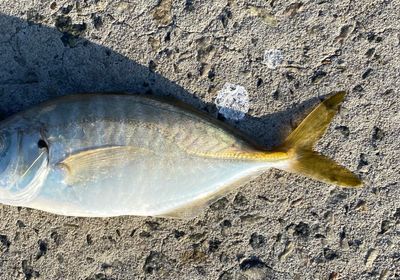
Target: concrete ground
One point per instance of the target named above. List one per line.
(279, 226)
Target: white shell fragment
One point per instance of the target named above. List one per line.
(232, 101)
(273, 58)
(372, 254)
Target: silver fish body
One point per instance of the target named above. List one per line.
(110, 155)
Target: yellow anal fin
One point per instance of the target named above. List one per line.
(90, 165)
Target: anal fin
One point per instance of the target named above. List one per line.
(194, 208)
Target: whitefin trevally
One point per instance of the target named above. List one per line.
(102, 155)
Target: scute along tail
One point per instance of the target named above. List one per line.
(300, 143)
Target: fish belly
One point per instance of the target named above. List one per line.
(150, 186)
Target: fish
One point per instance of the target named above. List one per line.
(104, 155)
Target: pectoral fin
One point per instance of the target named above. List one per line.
(95, 164)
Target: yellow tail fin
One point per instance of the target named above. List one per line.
(301, 141)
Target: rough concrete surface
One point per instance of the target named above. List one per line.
(279, 226)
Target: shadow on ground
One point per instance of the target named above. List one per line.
(40, 62)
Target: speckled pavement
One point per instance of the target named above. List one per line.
(279, 226)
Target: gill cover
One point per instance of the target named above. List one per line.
(23, 168)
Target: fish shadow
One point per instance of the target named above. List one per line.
(40, 62)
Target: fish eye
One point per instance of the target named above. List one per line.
(42, 144)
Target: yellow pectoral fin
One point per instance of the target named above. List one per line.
(90, 165)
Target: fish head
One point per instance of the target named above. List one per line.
(22, 160)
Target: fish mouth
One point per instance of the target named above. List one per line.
(10, 166)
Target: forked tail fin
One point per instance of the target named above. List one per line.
(301, 141)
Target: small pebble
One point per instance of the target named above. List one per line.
(372, 254)
(287, 251)
(273, 58)
(257, 241)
